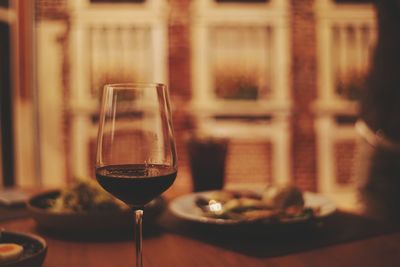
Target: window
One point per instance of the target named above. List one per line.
(346, 34)
(346, 38)
(241, 60)
(118, 53)
(102, 42)
(241, 57)
(353, 44)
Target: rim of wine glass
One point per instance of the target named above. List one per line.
(133, 85)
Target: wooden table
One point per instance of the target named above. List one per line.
(179, 244)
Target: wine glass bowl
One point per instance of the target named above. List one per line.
(136, 156)
(150, 181)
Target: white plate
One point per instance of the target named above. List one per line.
(185, 208)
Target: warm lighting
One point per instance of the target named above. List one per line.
(215, 206)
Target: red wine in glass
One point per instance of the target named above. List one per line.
(136, 184)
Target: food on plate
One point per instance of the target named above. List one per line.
(278, 203)
(85, 195)
(10, 252)
(283, 197)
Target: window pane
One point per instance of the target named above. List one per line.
(241, 61)
(118, 53)
(353, 49)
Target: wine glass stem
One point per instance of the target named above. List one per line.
(138, 236)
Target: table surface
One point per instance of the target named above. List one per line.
(344, 240)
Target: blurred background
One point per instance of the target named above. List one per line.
(279, 79)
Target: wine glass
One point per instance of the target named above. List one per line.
(136, 157)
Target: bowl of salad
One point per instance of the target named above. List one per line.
(85, 206)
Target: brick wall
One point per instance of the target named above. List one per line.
(180, 82)
(179, 51)
(51, 9)
(304, 90)
(249, 162)
(345, 161)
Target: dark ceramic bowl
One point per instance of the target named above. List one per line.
(35, 249)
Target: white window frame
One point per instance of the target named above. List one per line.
(49, 61)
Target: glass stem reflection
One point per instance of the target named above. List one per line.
(138, 236)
